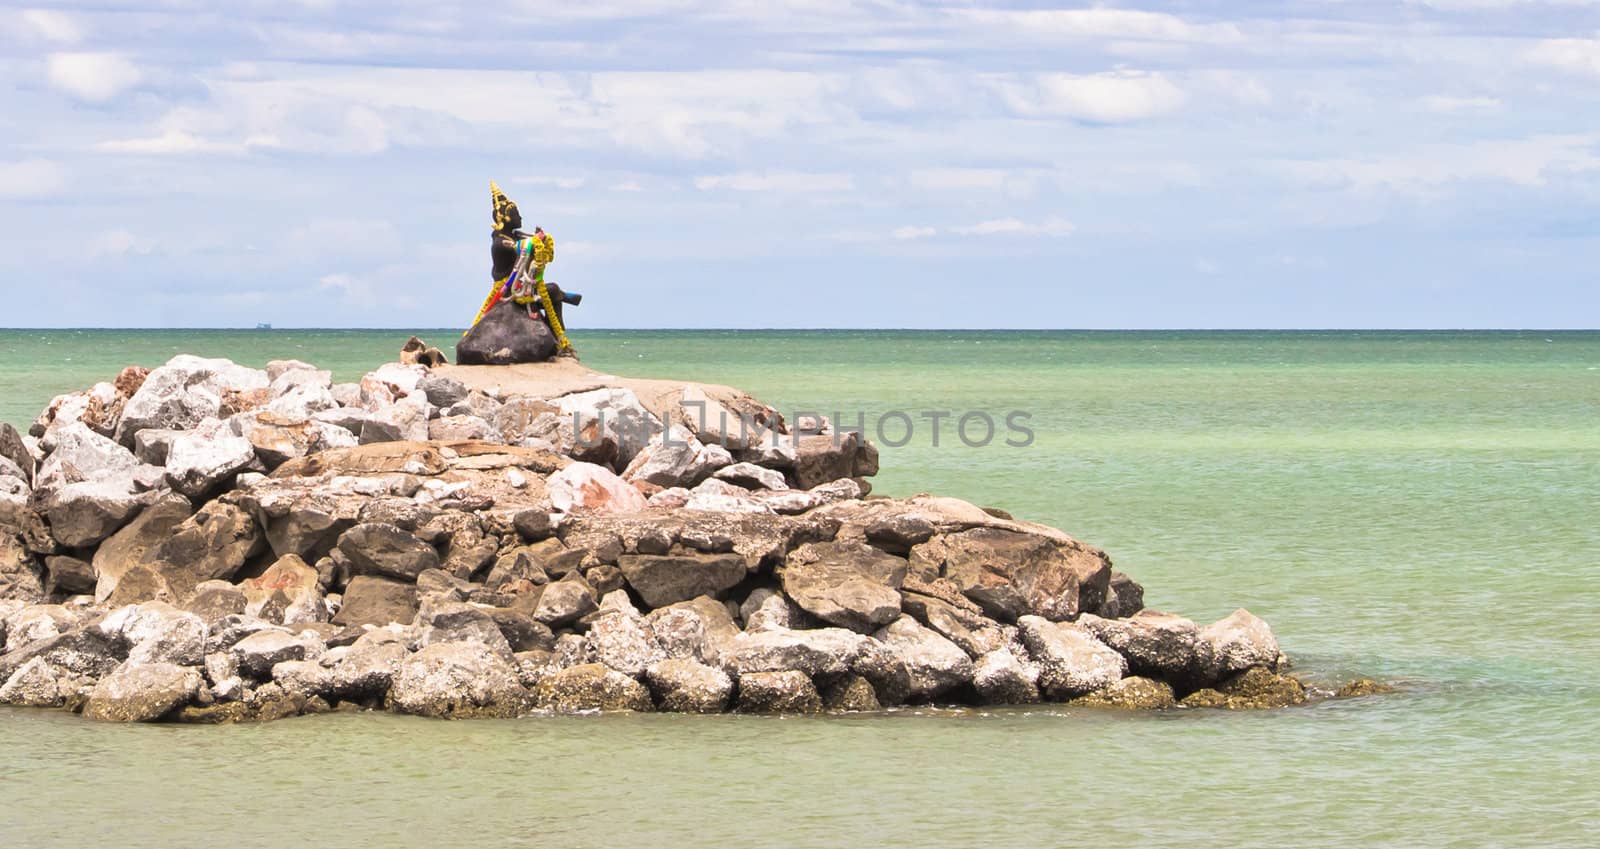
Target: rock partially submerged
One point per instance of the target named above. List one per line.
(217, 543)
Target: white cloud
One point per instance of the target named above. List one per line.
(94, 77)
(1101, 24)
(52, 25)
(118, 242)
(959, 179)
(911, 233)
(1113, 97)
(31, 178)
(776, 181)
(1579, 55)
(1052, 226)
(550, 182)
(1526, 162)
(1450, 105)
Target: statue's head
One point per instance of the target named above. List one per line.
(506, 215)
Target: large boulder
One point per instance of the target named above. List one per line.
(619, 639)
(21, 577)
(367, 670)
(848, 584)
(565, 601)
(199, 463)
(789, 691)
(458, 679)
(936, 665)
(288, 590)
(1001, 678)
(506, 335)
(684, 685)
(142, 692)
(592, 489)
(185, 392)
(663, 579)
(371, 600)
(1157, 645)
(158, 633)
(1241, 641)
(675, 458)
(610, 425)
(83, 651)
(213, 544)
(456, 622)
(13, 449)
(262, 650)
(1012, 574)
(385, 550)
(692, 630)
(1132, 693)
(34, 684)
(137, 542)
(591, 687)
(1071, 661)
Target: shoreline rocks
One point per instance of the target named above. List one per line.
(207, 542)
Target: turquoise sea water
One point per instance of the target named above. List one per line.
(1420, 507)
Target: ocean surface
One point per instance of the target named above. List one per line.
(1423, 508)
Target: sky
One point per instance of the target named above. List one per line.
(746, 163)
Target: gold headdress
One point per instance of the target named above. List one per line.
(502, 206)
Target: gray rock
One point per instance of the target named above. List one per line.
(1238, 643)
(304, 677)
(214, 600)
(370, 600)
(778, 692)
(34, 684)
(1157, 645)
(68, 576)
(1071, 661)
(198, 464)
(851, 694)
(442, 391)
(259, 652)
(159, 633)
(454, 621)
(692, 630)
(183, 393)
(683, 685)
(591, 687)
(213, 544)
(458, 680)
(142, 692)
(136, 543)
(21, 577)
(849, 584)
(1002, 679)
(620, 640)
(751, 476)
(818, 652)
(935, 664)
(366, 672)
(82, 651)
(385, 550)
(522, 632)
(565, 602)
(406, 420)
(13, 449)
(152, 445)
(661, 580)
(82, 514)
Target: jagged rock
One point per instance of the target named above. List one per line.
(1124, 597)
(591, 687)
(455, 621)
(142, 692)
(84, 513)
(21, 578)
(466, 679)
(371, 600)
(296, 582)
(279, 437)
(368, 669)
(521, 631)
(1157, 645)
(844, 583)
(140, 584)
(533, 525)
(183, 393)
(1071, 661)
(661, 580)
(897, 533)
(158, 633)
(136, 543)
(304, 677)
(506, 335)
(936, 665)
(214, 543)
(778, 692)
(442, 391)
(966, 628)
(851, 694)
(32, 685)
(733, 422)
(198, 464)
(684, 685)
(751, 476)
(565, 602)
(675, 458)
(610, 425)
(82, 651)
(387, 551)
(1131, 693)
(12, 448)
(590, 489)
(619, 639)
(1002, 679)
(30, 623)
(816, 652)
(822, 458)
(68, 576)
(693, 629)
(214, 600)
(260, 651)
(1237, 643)
(1012, 574)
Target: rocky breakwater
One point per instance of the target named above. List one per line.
(210, 542)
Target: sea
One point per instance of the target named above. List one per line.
(1422, 508)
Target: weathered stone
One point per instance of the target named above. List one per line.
(1124, 597)
(936, 665)
(1157, 645)
(675, 458)
(15, 450)
(368, 669)
(693, 629)
(213, 600)
(619, 639)
(778, 692)
(32, 685)
(816, 652)
(661, 580)
(21, 577)
(406, 420)
(82, 651)
(610, 425)
(158, 633)
(68, 576)
(198, 464)
(506, 335)
(296, 581)
(1362, 687)
(141, 584)
(1012, 574)
(1002, 679)
(1257, 687)
(684, 685)
(533, 525)
(521, 631)
(751, 476)
(822, 458)
(371, 600)
(851, 694)
(899, 532)
(183, 393)
(565, 602)
(586, 488)
(843, 583)
(454, 621)
(1131, 693)
(142, 692)
(137, 543)
(1071, 661)
(465, 679)
(591, 687)
(1237, 643)
(387, 551)
(214, 543)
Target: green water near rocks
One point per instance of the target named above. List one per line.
(1422, 507)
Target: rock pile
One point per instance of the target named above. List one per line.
(210, 542)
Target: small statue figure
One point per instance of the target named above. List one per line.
(519, 259)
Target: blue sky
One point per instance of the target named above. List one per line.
(1343, 163)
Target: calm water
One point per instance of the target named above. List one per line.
(1416, 506)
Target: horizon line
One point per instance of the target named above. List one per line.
(403, 329)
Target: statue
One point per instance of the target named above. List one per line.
(521, 320)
